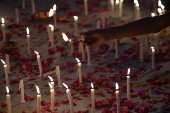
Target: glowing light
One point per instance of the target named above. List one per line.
(92, 86)
(77, 60)
(136, 3)
(3, 61)
(51, 26)
(2, 20)
(36, 52)
(152, 48)
(38, 90)
(7, 89)
(152, 14)
(65, 85)
(128, 72)
(117, 1)
(50, 78)
(27, 29)
(51, 87)
(54, 7)
(50, 13)
(65, 37)
(75, 17)
(161, 5)
(117, 86)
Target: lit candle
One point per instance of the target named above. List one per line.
(6, 73)
(116, 49)
(141, 49)
(54, 10)
(93, 98)
(38, 99)
(88, 56)
(70, 98)
(33, 6)
(137, 10)
(128, 84)
(79, 70)
(117, 8)
(161, 8)
(112, 7)
(52, 96)
(8, 100)
(120, 8)
(70, 42)
(82, 50)
(117, 98)
(153, 58)
(3, 28)
(39, 62)
(21, 88)
(98, 24)
(58, 75)
(52, 35)
(86, 7)
(75, 25)
(17, 15)
(52, 81)
(28, 41)
(23, 4)
(7, 61)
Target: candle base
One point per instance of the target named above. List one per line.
(23, 101)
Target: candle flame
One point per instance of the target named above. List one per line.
(78, 60)
(152, 14)
(65, 37)
(7, 89)
(50, 78)
(27, 29)
(161, 5)
(136, 3)
(51, 87)
(117, 1)
(75, 17)
(51, 26)
(3, 61)
(54, 7)
(128, 72)
(152, 48)
(2, 20)
(65, 85)
(117, 86)
(38, 90)
(92, 86)
(36, 52)
(159, 10)
(50, 13)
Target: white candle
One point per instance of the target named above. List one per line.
(155, 5)
(70, 98)
(98, 24)
(141, 49)
(58, 75)
(116, 49)
(153, 58)
(52, 35)
(7, 61)
(82, 51)
(117, 98)
(49, 33)
(8, 100)
(52, 81)
(117, 8)
(86, 7)
(88, 56)
(128, 84)
(112, 7)
(54, 10)
(38, 100)
(79, 70)
(39, 63)
(21, 88)
(28, 41)
(75, 25)
(137, 10)
(103, 20)
(6, 73)
(33, 6)
(92, 98)
(120, 8)
(52, 96)
(3, 28)
(23, 4)
(17, 15)
(70, 42)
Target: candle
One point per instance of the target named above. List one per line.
(103, 20)
(7, 61)
(146, 43)
(8, 100)
(28, 41)
(58, 75)
(70, 42)
(3, 28)
(33, 6)
(48, 30)
(93, 98)
(155, 5)
(128, 84)
(38, 99)
(52, 35)
(117, 98)
(98, 24)
(116, 49)
(6, 73)
(137, 10)
(117, 8)
(120, 8)
(54, 11)
(141, 49)
(82, 50)
(75, 25)
(86, 7)
(70, 98)
(23, 4)
(161, 8)
(153, 58)
(52, 81)
(88, 56)
(79, 70)
(21, 88)
(52, 96)
(39, 63)
(50, 13)
(17, 15)
(112, 7)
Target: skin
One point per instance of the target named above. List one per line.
(140, 27)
